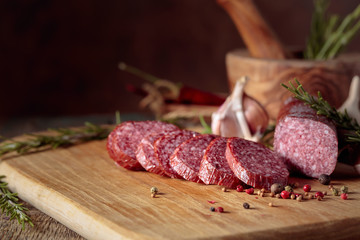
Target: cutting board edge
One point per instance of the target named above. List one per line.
(25, 187)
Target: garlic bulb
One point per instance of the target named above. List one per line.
(351, 104)
(240, 115)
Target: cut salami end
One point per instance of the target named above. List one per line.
(165, 146)
(307, 141)
(187, 157)
(254, 164)
(145, 153)
(214, 168)
(123, 141)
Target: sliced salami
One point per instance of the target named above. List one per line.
(307, 141)
(187, 157)
(165, 146)
(255, 164)
(214, 168)
(145, 153)
(123, 141)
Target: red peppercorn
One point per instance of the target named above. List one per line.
(249, 191)
(297, 194)
(220, 209)
(344, 196)
(319, 194)
(285, 194)
(239, 188)
(307, 188)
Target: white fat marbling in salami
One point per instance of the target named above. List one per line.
(165, 146)
(123, 141)
(187, 157)
(214, 168)
(255, 164)
(307, 141)
(145, 153)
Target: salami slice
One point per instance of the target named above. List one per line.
(214, 168)
(165, 146)
(145, 153)
(187, 157)
(123, 141)
(255, 164)
(307, 141)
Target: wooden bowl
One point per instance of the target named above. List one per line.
(332, 77)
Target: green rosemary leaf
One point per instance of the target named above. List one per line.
(11, 207)
(322, 107)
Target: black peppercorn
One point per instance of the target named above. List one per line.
(246, 205)
(212, 209)
(324, 179)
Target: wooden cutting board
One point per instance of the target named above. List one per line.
(82, 188)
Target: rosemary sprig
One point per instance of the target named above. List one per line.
(64, 137)
(330, 35)
(207, 128)
(322, 107)
(9, 204)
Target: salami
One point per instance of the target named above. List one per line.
(254, 164)
(123, 141)
(307, 141)
(145, 153)
(165, 146)
(214, 168)
(187, 157)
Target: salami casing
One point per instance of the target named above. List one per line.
(123, 141)
(214, 168)
(187, 157)
(165, 146)
(255, 164)
(307, 141)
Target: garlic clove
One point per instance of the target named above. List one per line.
(240, 115)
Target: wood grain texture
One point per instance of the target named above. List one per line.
(258, 37)
(332, 78)
(82, 188)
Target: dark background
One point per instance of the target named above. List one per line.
(59, 58)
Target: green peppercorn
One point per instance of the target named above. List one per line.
(324, 179)
(344, 189)
(154, 190)
(335, 192)
(288, 189)
(246, 205)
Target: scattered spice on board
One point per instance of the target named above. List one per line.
(246, 205)
(220, 209)
(344, 196)
(307, 188)
(324, 179)
(154, 191)
(211, 201)
(212, 209)
(239, 188)
(344, 189)
(249, 190)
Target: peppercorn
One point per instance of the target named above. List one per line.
(220, 209)
(324, 179)
(285, 194)
(224, 189)
(306, 193)
(278, 195)
(271, 204)
(331, 186)
(344, 196)
(288, 188)
(319, 194)
(154, 190)
(324, 192)
(319, 198)
(246, 205)
(299, 198)
(344, 189)
(335, 192)
(263, 190)
(239, 188)
(212, 209)
(310, 196)
(258, 192)
(292, 196)
(276, 188)
(272, 194)
(249, 190)
(307, 188)
(262, 194)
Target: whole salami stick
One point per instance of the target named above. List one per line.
(256, 33)
(307, 141)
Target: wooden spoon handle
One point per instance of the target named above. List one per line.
(257, 35)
